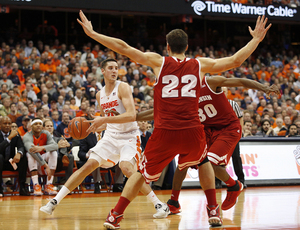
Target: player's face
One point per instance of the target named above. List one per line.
(110, 71)
(37, 127)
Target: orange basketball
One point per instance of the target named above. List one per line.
(77, 128)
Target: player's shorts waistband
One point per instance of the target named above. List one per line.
(122, 133)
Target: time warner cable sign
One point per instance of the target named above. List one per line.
(238, 9)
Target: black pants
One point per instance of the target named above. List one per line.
(22, 168)
(60, 166)
(237, 163)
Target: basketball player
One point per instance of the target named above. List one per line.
(177, 92)
(41, 148)
(223, 132)
(121, 142)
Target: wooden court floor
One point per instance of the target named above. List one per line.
(257, 208)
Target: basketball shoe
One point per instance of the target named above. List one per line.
(214, 218)
(174, 207)
(162, 211)
(49, 207)
(112, 221)
(49, 190)
(37, 190)
(232, 195)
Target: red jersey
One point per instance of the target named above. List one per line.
(214, 108)
(41, 141)
(177, 93)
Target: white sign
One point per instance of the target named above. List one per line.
(263, 161)
(240, 9)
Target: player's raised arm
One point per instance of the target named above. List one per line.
(209, 65)
(148, 58)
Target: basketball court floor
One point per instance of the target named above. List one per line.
(257, 208)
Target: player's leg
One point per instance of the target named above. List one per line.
(33, 167)
(51, 158)
(207, 181)
(237, 165)
(178, 178)
(75, 179)
(129, 168)
(219, 155)
(130, 191)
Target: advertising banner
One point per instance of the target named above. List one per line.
(185, 7)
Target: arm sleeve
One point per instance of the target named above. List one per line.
(51, 144)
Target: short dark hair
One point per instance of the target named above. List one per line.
(264, 120)
(293, 125)
(247, 122)
(177, 40)
(104, 63)
(44, 123)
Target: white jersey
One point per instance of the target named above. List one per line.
(113, 102)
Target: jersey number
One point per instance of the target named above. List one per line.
(172, 82)
(209, 110)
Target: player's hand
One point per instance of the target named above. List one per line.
(85, 23)
(260, 31)
(272, 89)
(36, 149)
(95, 124)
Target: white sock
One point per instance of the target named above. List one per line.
(61, 194)
(35, 179)
(153, 198)
(50, 181)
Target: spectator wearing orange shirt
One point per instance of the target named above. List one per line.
(232, 93)
(83, 110)
(18, 72)
(152, 80)
(55, 60)
(49, 67)
(23, 129)
(263, 104)
(263, 70)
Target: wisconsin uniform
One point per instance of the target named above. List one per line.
(222, 127)
(177, 126)
(121, 142)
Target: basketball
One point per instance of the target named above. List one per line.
(77, 128)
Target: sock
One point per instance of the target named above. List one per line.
(153, 198)
(61, 194)
(211, 197)
(35, 179)
(50, 181)
(230, 182)
(175, 194)
(121, 205)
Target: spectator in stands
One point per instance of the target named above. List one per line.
(5, 108)
(292, 131)
(65, 160)
(266, 129)
(9, 141)
(7, 81)
(83, 110)
(62, 128)
(14, 114)
(279, 125)
(247, 128)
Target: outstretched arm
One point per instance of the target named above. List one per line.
(218, 81)
(149, 58)
(209, 65)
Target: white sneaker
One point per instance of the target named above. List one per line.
(162, 211)
(49, 207)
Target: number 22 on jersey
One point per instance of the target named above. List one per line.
(209, 111)
(172, 82)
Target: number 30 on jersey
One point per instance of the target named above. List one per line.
(209, 111)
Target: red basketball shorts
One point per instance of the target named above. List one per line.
(221, 143)
(164, 145)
